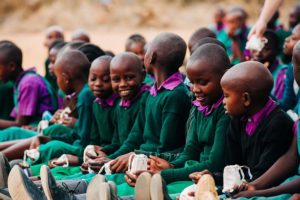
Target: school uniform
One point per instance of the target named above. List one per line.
(260, 140)
(70, 141)
(32, 96)
(227, 41)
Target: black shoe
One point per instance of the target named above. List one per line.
(21, 187)
(51, 190)
(4, 170)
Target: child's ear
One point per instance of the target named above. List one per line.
(153, 57)
(246, 99)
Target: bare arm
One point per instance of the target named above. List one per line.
(19, 121)
(270, 7)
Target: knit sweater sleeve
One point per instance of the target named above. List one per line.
(215, 161)
(135, 137)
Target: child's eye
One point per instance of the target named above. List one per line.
(202, 82)
(115, 79)
(128, 78)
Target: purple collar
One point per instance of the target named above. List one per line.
(207, 110)
(71, 96)
(24, 72)
(108, 102)
(253, 122)
(126, 103)
(169, 84)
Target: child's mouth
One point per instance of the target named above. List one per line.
(124, 92)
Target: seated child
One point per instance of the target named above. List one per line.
(234, 35)
(53, 33)
(91, 51)
(126, 73)
(204, 148)
(290, 98)
(6, 99)
(219, 16)
(268, 57)
(136, 43)
(80, 35)
(33, 95)
(286, 168)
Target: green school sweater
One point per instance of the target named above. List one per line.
(82, 129)
(124, 121)
(205, 146)
(162, 127)
(103, 128)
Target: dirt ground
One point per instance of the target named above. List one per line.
(110, 28)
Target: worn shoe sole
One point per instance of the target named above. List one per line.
(142, 187)
(206, 189)
(16, 185)
(93, 192)
(156, 188)
(4, 170)
(44, 173)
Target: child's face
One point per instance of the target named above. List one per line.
(52, 57)
(138, 49)
(267, 54)
(126, 80)
(61, 79)
(5, 70)
(50, 37)
(294, 17)
(290, 41)
(233, 24)
(206, 83)
(233, 102)
(99, 80)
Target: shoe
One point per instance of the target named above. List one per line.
(142, 187)
(113, 190)
(206, 188)
(12, 163)
(104, 191)
(93, 192)
(4, 170)
(51, 189)
(21, 187)
(4, 194)
(158, 188)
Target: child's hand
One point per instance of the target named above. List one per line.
(73, 160)
(247, 194)
(69, 121)
(131, 178)
(197, 175)
(157, 164)
(244, 187)
(120, 164)
(56, 117)
(97, 163)
(29, 127)
(84, 168)
(99, 152)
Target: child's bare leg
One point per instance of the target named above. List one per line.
(16, 151)
(4, 145)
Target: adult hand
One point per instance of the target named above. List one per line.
(258, 29)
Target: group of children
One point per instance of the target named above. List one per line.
(133, 126)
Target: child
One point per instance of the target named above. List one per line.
(290, 98)
(91, 51)
(204, 148)
(294, 17)
(198, 35)
(6, 99)
(234, 36)
(219, 16)
(53, 33)
(267, 56)
(136, 43)
(287, 165)
(32, 94)
(80, 35)
(126, 73)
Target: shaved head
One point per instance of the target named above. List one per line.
(213, 54)
(169, 50)
(198, 35)
(251, 77)
(126, 60)
(74, 63)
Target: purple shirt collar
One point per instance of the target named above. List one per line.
(207, 110)
(253, 122)
(25, 71)
(108, 102)
(126, 103)
(71, 96)
(169, 84)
